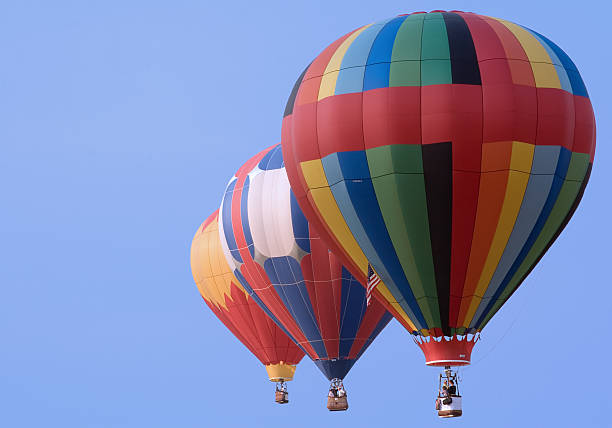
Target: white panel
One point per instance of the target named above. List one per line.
(270, 213)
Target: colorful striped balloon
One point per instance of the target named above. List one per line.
(229, 301)
(447, 149)
(276, 253)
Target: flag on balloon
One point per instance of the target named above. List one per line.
(373, 281)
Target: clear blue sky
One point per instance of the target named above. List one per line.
(121, 122)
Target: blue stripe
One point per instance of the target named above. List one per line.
(358, 52)
(560, 172)
(359, 206)
(272, 160)
(301, 231)
(352, 311)
(226, 214)
(379, 61)
(244, 216)
(350, 81)
(352, 69)
(563, 77)
(285, 274)
(543, 167)
(578, 87)
(383, 44)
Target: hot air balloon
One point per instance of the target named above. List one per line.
(445, 151)
(279, 255)
(228, 300)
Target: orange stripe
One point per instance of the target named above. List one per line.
(490, 201)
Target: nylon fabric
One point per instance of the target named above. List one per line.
(449, 155)
(292, 271)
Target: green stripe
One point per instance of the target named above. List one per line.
(434, 43)
(395, 159)
(405, 69)
(434, 16)
(407, 43)
(579, 163)
(405, 73)
(436, 72)
(397, 176)
(435, 54)
(567, 196)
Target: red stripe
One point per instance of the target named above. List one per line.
(372, 317)
(320, 276)
(318, 66)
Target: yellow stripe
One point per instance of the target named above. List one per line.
(328, 210)
(544, 71)
(520, 164)
(330, 75)
(326, 206)
(314, 174)
(211, 272)
(521, 156)
(386, 294)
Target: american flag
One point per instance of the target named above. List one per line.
(373, 281)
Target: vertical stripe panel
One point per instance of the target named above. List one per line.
(520, 165)
(544, 71)
(552, 201)
(379, 61)
(435, 53)
(358, 204)
(321, 197)
(578, 87)
(571, 191)
(437, 167)
(397, 177)
(464, 64)
(353, 309)
(330, 75)
(352, 70)
(561, 73)
(226, 219)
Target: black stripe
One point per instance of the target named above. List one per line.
(437, 168)
(294, 91)
(464, 63)
(555, 236)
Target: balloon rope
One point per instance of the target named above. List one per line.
(502, 337)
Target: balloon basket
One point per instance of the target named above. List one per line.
(335, 404)
(281, 396)
(449, 401)
(337, 398)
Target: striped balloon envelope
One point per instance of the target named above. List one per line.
(274, 251)
(446, 149)
(229, 301)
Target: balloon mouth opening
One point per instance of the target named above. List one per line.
(281, 372)
(445, 351)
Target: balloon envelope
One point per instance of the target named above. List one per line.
(228, 300)
(448, 150)
(276, 253)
